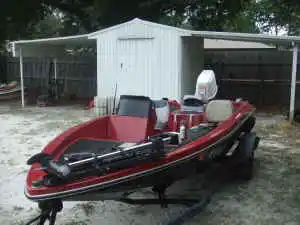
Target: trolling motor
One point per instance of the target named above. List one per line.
(87, 164)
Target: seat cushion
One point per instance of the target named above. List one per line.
(129, 129)
(219, 110)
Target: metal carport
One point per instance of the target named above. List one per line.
(288, 41)
(48, 47)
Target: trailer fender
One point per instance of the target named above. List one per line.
(244, 155)
(245, 149)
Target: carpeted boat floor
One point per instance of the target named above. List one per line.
(92, 146)
(107, 146)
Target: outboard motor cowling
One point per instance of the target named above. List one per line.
(206, 86)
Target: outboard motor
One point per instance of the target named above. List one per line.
(206, 86)
(206, 89)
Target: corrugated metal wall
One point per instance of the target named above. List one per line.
(160, 66)
(192, 63)
(135, 66)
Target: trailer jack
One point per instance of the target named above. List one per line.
(49, 210)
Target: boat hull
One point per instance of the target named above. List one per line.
(161, 175)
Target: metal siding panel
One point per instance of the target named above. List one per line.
(106, 77)
(135, 66)
(160, 77)
(98, 69)
(168, 67)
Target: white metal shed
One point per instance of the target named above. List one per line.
(146, 58)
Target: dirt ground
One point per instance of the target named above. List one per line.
(272, 197)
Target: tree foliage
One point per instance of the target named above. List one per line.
(46, 18)
(278, 15)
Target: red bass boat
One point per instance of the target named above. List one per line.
(143, 145)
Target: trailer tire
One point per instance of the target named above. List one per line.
(249, 124)
(246, 170)
(244, 156)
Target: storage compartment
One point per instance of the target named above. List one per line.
(191, 119)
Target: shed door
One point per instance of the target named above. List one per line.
(135, 63)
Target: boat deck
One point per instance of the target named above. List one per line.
(92, 146)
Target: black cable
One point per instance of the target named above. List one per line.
(190, 212)
(210, 187)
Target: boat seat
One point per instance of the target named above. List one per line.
(218, 110)
(191, 103)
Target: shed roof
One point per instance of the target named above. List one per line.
(140, 21)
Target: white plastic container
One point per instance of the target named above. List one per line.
(162, 113)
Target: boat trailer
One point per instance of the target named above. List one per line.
(224, 170)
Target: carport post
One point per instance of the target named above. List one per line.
(22, 79)
(55, 68)
(293, 82)
(55, 75)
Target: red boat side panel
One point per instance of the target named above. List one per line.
(124, 128)
(94, 129)
(129, 129)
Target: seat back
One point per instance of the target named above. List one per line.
(135, 119)
(219, 110)
(191, 103)
(135, 106)
(128, 129)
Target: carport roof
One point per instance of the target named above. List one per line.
(51, 47)
(234, 36)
